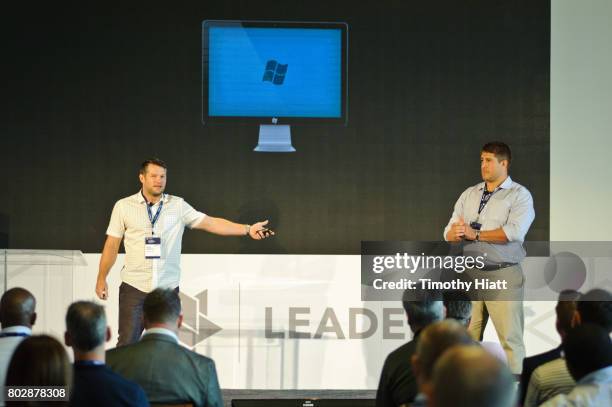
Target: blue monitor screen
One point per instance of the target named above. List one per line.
(275, 72)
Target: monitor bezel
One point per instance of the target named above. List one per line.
(208, 119)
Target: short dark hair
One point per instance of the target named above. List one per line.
(458, 306)
(39, 361)
(161, 305)
(154, 161)
(565, 309)
(595, 307)
(423, 307)
(17, 307)
(86, 324)
(500, 149)
(587, 348)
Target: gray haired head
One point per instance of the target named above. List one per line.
(86, 325)
(423, 308)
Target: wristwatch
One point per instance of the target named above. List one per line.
(477, 236)
(247, 229)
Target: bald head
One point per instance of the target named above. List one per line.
(17, 307)
(468, 376)
(434, 341)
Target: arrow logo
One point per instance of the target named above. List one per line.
(196, 327)
(533, 329)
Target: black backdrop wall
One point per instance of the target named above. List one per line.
(92, 90)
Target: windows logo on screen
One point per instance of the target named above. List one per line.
(275, 72)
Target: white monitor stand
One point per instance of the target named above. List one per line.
(274, 138)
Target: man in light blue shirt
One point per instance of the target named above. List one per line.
(588, 353)
(17, 315)
(492, 218)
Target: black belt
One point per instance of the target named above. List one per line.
(491, 267)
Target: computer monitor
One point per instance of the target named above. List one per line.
(275, 74)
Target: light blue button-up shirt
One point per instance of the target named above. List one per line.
(510, 208)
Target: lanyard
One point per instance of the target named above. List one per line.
(152, 218)
(6, 334)
(89, 363)
(486, 196)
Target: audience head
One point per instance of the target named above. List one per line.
(595, 307)
(17, 307)
(433, 342)
(587, 348)
(423, 308)
(86, 329)
(565, 310)
(468, 376)
(458, 307)
(39, 361)
(162, 308)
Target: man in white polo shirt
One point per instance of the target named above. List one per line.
(151, 224)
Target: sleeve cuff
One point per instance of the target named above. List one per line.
(197, 221)
(511, 235)
(114, 234)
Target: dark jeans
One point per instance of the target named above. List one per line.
(130, 314)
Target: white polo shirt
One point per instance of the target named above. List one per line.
(130, 221)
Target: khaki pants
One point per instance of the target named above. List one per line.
(505, 310)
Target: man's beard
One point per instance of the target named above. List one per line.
(152, 192)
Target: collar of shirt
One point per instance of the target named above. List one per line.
(141, 198)
(599, 376)
(504, 185)
(17, 329)
(420, 400)
(162, 331)
(89, 363)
